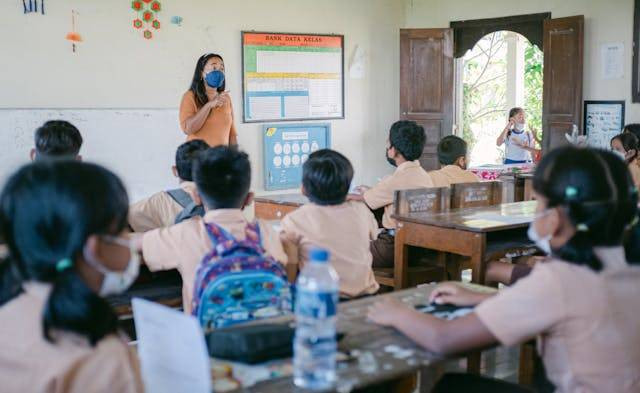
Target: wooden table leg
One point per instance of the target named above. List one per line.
(478, 264)
(400, 259)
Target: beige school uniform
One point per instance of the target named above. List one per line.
(183, 246)
(344, 230)
(29, 363)
(587, 322)
(408, 175)
(159, 210)
(634, 168)
(452, 174)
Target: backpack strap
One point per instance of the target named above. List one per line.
(180, 196)
(253, 236)
(190, 211)
(220, 238)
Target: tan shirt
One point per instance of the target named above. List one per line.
(634, 168)
(408, 175)
(452, 174)
(587, 323)
(344, 230)
(183, 246)
(219, 127)
(29, 363)
(159, 210)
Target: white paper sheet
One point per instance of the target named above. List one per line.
(612, 59)
(172, 350)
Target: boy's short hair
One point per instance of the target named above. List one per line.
(450, 149)
(408, 138)
(185, 156)
(633, 128)
(326, 177)
(223, 177)
(57, 138)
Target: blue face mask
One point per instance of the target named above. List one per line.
(215, 79)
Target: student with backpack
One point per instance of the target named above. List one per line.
(65, 225)
(223, 177)
(582, 303)
(170, 207)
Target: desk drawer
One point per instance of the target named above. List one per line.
(272, 211)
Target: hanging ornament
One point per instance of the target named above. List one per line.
(146, 18)
(73, 36)
(32, 6)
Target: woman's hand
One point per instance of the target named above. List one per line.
(219, 100)
(387, 311)
(455, 294)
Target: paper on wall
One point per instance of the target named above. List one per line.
(612, 60)
(172, 350)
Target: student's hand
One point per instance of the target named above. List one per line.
(387, 311)
(511, 124)
(455, 294)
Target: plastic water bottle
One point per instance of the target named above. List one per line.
(314, 348)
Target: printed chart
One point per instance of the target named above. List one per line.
(287, 148)
(292, 77)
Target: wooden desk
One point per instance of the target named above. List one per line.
(466, 232)
(371, 341)
(275, 207)
(528, 185)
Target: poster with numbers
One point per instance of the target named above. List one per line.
(602, 121)
(287, 148)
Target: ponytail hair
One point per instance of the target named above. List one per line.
(48, 210)
(596, 192)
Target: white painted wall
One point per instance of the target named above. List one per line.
(116, 68)
(606, 21)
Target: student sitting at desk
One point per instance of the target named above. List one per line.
(223, 176)
(57, 139)
(405, 146)
(626, 147)
(583, 304)
(162, 209)
(64, 222)
(345, 229)
(452, 154)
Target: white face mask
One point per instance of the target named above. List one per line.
(115, 282)
(520, 126)
(620, 154)
(543, 243)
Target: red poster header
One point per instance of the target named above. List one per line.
(276, 39)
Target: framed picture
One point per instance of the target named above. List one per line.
(602, 121)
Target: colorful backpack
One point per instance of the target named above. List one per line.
(237, 282)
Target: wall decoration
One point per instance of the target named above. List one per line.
(32, 6)
(602, 121)
(73, 36)
(146, 16)
(176, 20)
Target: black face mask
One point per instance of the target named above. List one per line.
(391, 161)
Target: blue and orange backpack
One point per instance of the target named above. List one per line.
(237, 282)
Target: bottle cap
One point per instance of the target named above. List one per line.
(318, 255)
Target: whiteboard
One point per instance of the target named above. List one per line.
(292, 76)
(138, 145)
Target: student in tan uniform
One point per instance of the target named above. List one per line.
(344, 228)
(161, 209)
(626, 147)
(405, 146)
(64, 223)
(223, 176)
(582, 304)
(452, 154)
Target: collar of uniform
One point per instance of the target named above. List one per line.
(188, 186)
(407, 165)
(219, 216)
(452, 168)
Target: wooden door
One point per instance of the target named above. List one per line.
(426, 85)
(562, 90)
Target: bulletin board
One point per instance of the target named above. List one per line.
(287, 148)
(602, 121)
(289, 77)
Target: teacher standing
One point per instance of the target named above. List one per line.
(206, 112)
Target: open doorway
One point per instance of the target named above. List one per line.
(501, 71)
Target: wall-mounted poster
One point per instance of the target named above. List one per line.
(292, 76)
(287, 148)
(602, 121)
